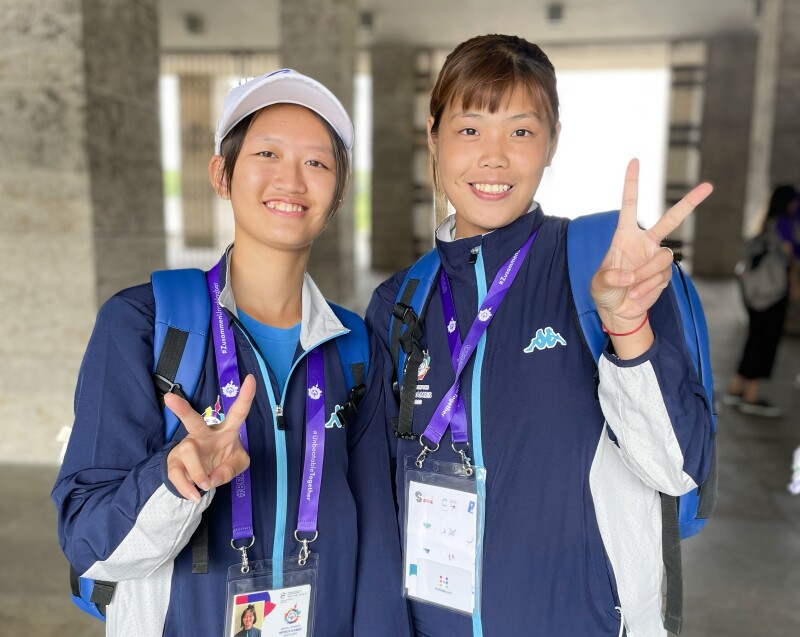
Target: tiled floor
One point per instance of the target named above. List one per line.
(742, 573)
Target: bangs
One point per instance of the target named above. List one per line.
(483, 88)
(491, 93)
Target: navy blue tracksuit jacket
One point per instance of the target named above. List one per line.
(121, 520)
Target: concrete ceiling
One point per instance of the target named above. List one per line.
(254, 24)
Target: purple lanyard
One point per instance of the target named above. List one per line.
(315, 452)
(229, 382)
(451, 408)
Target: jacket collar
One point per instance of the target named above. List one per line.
(496, 246)
(318, 322)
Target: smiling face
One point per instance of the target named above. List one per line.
(248, 619)
(490, 164)
(283, 180)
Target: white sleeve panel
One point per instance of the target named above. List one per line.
(634, 409)
(163, 527)
(140, 606)
(629, 518)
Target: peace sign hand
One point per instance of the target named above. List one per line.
(636, 269)
(209, 455)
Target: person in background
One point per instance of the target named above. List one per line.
(765, 324)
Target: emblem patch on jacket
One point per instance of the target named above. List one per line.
(424, 366)
(230, 390)
(545, 338)
(314, 393)
(213, 415)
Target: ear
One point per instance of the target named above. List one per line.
(217, 176)
(553, 144)
(431, 138)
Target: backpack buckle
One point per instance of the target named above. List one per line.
(166, 386)
(401, 312)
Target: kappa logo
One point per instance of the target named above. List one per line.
(545, 339)
(334, 420)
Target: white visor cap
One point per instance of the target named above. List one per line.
(283, 87)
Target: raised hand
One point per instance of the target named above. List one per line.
(636, 269)
(209, 455)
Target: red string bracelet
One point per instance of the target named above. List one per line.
(646, 316)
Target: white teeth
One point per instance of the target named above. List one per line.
(491, 188)
(284, 207)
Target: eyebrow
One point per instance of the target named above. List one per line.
(519, 116)
(283, 140)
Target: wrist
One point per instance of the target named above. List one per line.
(619, 327)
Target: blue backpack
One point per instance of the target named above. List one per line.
(588, 239)
(183, 312)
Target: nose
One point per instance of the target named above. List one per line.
(493, 153)
(289, 177)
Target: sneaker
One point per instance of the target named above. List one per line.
(731, 400)
(760, 408)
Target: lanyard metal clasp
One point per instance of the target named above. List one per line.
(465, 459)
(425, 451)
(304, 550)
(243, 549)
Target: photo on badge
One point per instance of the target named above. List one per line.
(249, 612)
(272, 613)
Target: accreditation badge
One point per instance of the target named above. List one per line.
(443, 534)
(278, 600)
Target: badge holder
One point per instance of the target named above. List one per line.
(442, 556)
(281, 597)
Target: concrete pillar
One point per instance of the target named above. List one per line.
(775, 140)
(724, 150)
(197, 136)
(318, 39)
(393, 136)
(80, 194)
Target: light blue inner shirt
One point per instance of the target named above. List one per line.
(277, 344)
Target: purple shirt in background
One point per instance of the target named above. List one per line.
(789, 230)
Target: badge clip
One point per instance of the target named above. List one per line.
(424, 453)
(465, 460)
(304, 551)
(243, 549)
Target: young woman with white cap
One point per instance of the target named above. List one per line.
(283, 497)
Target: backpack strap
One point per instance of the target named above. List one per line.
(673, 567)
(405, 330)
(91, 596)
(354, 355)
(588, 239)
(183, 312)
